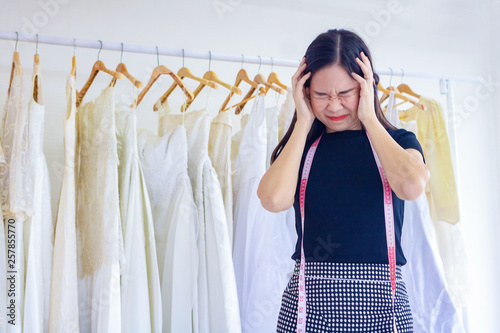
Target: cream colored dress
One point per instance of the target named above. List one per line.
(98, 217)
(17, 198)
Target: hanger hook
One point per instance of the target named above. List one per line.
(17, 40)
(390, 80)
(272, 64)
(36, 50)
(74, 47)
(121, 55)
(99, 53)
(209, 59)
(182, 57)
(402, 75)
(260, 64)
(157, 55)
(242, 60)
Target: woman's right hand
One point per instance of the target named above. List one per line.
(302, 102)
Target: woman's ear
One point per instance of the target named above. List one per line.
(308, 92)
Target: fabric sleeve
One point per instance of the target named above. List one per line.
(407, 139)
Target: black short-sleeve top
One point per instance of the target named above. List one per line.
(344, 208)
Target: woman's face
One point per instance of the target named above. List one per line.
(334, 96)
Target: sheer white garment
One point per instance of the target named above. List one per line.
(219, 150)
(262, 243)
(272, 132)
(17, 197)
(140, 281)
(39, 228)
(286, 114)
(431, 305)
(164, 162)
(235, 147)
(98, 217)
(63, 298)
(217, 295)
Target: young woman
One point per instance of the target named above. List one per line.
(347, 277)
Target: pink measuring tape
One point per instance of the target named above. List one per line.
(389, 231)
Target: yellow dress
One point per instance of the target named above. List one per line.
(441, 189)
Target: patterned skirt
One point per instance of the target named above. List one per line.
(346, 297)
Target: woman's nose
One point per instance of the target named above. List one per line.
(334, 104)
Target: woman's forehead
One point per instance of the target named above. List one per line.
(333, 77)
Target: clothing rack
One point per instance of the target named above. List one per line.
(112, 46)
(446, 80)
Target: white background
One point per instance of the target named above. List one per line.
(453, 37)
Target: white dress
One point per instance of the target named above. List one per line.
(98, 217)
(39, 228)
(217, 295)
(263, 243)
(164, 163)
(17, 198)
(63, 298)
(140, 281)
(219, 150)
(430, 302)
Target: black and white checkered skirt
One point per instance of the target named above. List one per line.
(346, 297)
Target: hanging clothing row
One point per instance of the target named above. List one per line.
(164, 232)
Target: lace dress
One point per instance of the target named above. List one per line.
(63, 300)
(98, 217)
(17, 196)
(141, 294)
(38, 228)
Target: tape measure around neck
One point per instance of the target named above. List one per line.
(389, 230)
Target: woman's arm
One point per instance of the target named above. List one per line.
(277, 187)
(405, 169)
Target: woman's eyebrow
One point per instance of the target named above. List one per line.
(348, 90)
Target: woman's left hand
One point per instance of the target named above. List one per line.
(366, 107)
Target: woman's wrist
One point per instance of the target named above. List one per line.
(303, 126)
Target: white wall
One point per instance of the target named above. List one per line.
(458, 37)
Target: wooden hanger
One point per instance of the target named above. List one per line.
(73, 66)
(36, 72)
(259, 79)
(157, 72)
(185, 72)
(212, 77)
(122, 68)
(242, 76)
(98, 67)
(16, 64)
(273, 79)
(397, 95)
(404, 88)
(16, 68)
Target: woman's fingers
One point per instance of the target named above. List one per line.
(299, 72)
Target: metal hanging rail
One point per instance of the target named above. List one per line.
(112, 46)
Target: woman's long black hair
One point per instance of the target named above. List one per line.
(340, 47)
